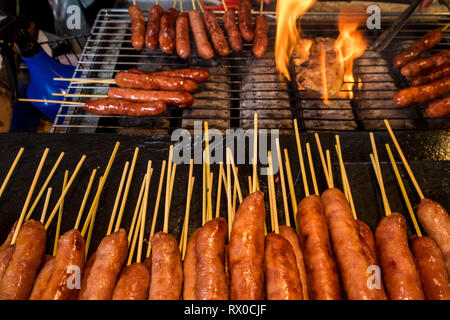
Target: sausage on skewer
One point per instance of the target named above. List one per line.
(40, 284)
(417, 67)
(215, 32)
(434, 74)
(133, 284)
(438, 109)
(234, 36)
(125, 108)
(419, 94)
(204, 48)
(152, 33)
(181, 99)
(190, 267)
(167, 31)
(137, 27)
(183, 43)
(154, 82)
(245, 20)
(260, 40)
(196, 74)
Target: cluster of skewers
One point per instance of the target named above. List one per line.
(170, 29)
(325, 253)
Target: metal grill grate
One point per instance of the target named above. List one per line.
(240, 85)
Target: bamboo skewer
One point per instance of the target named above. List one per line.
(283, 184)
(234, 197)
(236, 178)
(144, 209)
(47, 200)
(210, 216)
(85, 198)
(261, 7)
(134, 232)
(311, 167)
(204, 214)
(345, 181)
(193, 5)
(300, 159)
(187, 208)
(224, 5)
(116, 201)
(61, 209)
(188, 211)
(11, 171)
(166, 216)
(137, 208)
(208, 173)
(219, 190)
(387, 209)
(250, 187)
(445, 28)
(255, 183)
(291, 187)
(274, 216)
(91, 221)
(169, 176)
(322, 159)
(380, 176)
(230, 221)
(53, 101)
(330, 169)
(200, 6)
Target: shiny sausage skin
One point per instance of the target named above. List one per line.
(234, 36)
(419, 94)
(246, 249)
(133, 283)
(5, 257)
(137, 27)
(211, 279)
(167, 270)
(204, 48)
(432, 268)
(152, 82)
(196, 74)
(216, 33)
(19, 276)
(433, 74)
(167, 31)
(152, 33)
(280, 267)
(182, 42)
(438, 109)
(400, 274)
(41, 282)
(436, 222)
(70, 253)
(125, 108)
(260, 40)
(290, 235)
(417, 48)
(352, 263)
(245, 20)
(86, 272)
(190, 267)
(414, 68)
(104, 273)
(368, 242)
(180, 99)
(323, 279)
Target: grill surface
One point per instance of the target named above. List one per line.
(240, 85)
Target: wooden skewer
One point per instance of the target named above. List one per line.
(322, 159)
(273, 196)
(53, 101)
(79, 95)
(224, 5)
(219, 190)
(283, 184)
(261, 7)
(208, 174)
(30, 193)
(47, 200)
(230, 219)
(118, 195)
(236, 178)
(91, 221)
(193, 5)
(387, 209)
(137, 209)
(330, 169)
(134, 2)
(134, 232)
(291, 187)
(255, 183)
(300, 159)
(169, 176)
(144, 209)
(181, 5)
(377, 163)
(204, 214)
(175, 4)
(311, 167)
(345, 182)
(85, 198)
(250, 187)
(200, 6)
(269, 189)
(61, 209)
(188, 211)
(210, 216)
(166, 216)
(344, 185)
(11, 170)
(234, 197)
(445, 28)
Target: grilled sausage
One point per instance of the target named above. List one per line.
(211, 278)
(104, 273)
(417, 48)
(368, 242)
(86, 272)
(323, 280)
(246, 249)
(70, 253)
(414, 68)
(167, 30)
(397, 263)
(152, 33)
(245, 20)
(180, 99)
(436, 222)
(196, 74)
(183, 43)
(5, 257)
(167, 270)
(260, 40)
(290, 235)
(41, 282)
(137, 27)
(432, 268)
(280, 267)
(234, 36)
(190, 267)
(133, 284)
(204, 48)
(419, 94)
(352, 263)
(433, 74)
(153, 82)
(125, 108)
(216, 33)
(19, 276)
(438, 109)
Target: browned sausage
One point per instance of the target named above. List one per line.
(245, 20)
(414, 68)
(419, 94)
(216, 33)
(323, 279)
(42, 280)
(152, 82)
(5, 257)
(137, 27)
(432, 268)
(290, 235)
(183, 43)
(196, 74)
(234, 36)
(260, 40)
(436, 222)
(19, 276)
(397, 263)
(167, 270)
(189, 268)
(417, 48)
(433, 74)
(70, 253)
(104, 273)
(180, 99)
(281, 272)
(368, 242)
(133, 283)
(125, 108)
(438, 109)
(86, 272)
(204, 48)
(211, 279)
(246, 249)
(352, 263)
(167, 31)
(152, 33)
